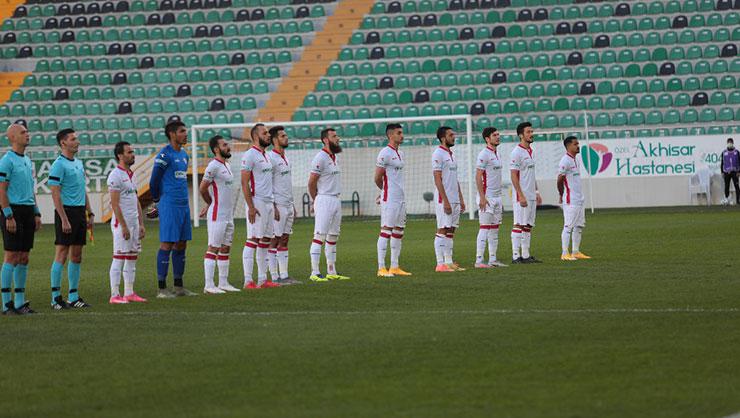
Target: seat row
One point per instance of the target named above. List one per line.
(149, 77)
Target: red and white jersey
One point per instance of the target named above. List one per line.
(124, 182)
(391, 160)
(282, 184)
(260, 183)
(326, 165)
(489, 162)
(522, 159)
(573, 194)
(221, 178)
(444, 161)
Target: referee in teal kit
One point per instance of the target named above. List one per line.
(19, 220)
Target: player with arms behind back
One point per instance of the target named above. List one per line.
(527, 196)
(216, 191)
(169, 189)
(127, 225)
(282, 188)
(571, 197)
(324, 188)
(389, 179)
(488, 181)
(449, 198)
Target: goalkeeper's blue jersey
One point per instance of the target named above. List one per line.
(173, 187)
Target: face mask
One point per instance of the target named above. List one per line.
(730, 146)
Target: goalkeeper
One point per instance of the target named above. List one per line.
(169, 189)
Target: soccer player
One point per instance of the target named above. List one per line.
(216, 191)
(282, 189)
(169, 190)
(449, 198)
(256, 179)
(19, 220)
(72, 218)
(571, 197)
(389, 179)
(488, 182)
(324, 188)
(527, 195)
(127, 225)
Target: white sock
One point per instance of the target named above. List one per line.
(116, 266)
(526, 240)
(516, 242)
(209, 266)
(330, 251)
(261, 256)
(565, 239)
(272, 263)
(248, 260)
(315, 256)
(480, 243)
(396, 240)
(448, 248)
(577, 234)
(383, 239)
(492, 243)
(282, 259)
(129, 275)
(222, 262)
(439, 248)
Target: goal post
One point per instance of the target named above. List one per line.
(360, 149)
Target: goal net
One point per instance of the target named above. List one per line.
(361, 140)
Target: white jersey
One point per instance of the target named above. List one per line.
(391, 160)
(490, 163)
(124, 182)
(260, 183)
(444, 161)
(522, 160)
(219, 175)
(573, 194)
(282, 184)
(327, 167)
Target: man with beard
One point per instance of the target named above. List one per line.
(527, 196)
(324, 187)
(216, 191)
(169, 188)
(19, 220)
(127, 225)
(488, 182)
(282, 188)
(449, 198)
(257, 188)
(72, 219)
(571, 197)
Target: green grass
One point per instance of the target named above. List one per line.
(649, 328)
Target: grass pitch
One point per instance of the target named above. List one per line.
(650, 327)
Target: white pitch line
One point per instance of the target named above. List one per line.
(736, 415)
(426, 312)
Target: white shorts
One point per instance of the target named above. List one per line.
(327, 215)
(447, 221)
(393, 214)
(285, 224)
(220, 233)
(493, 214)
(525, 216)
(575, 215)
(126, 246)
(262, 226)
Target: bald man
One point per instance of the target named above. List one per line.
(19, 220)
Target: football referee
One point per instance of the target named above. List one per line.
(19, 220)
(72, 218)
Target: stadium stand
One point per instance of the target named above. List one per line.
(118, 69)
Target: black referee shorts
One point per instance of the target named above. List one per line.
(25, 227)
(78, 221)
